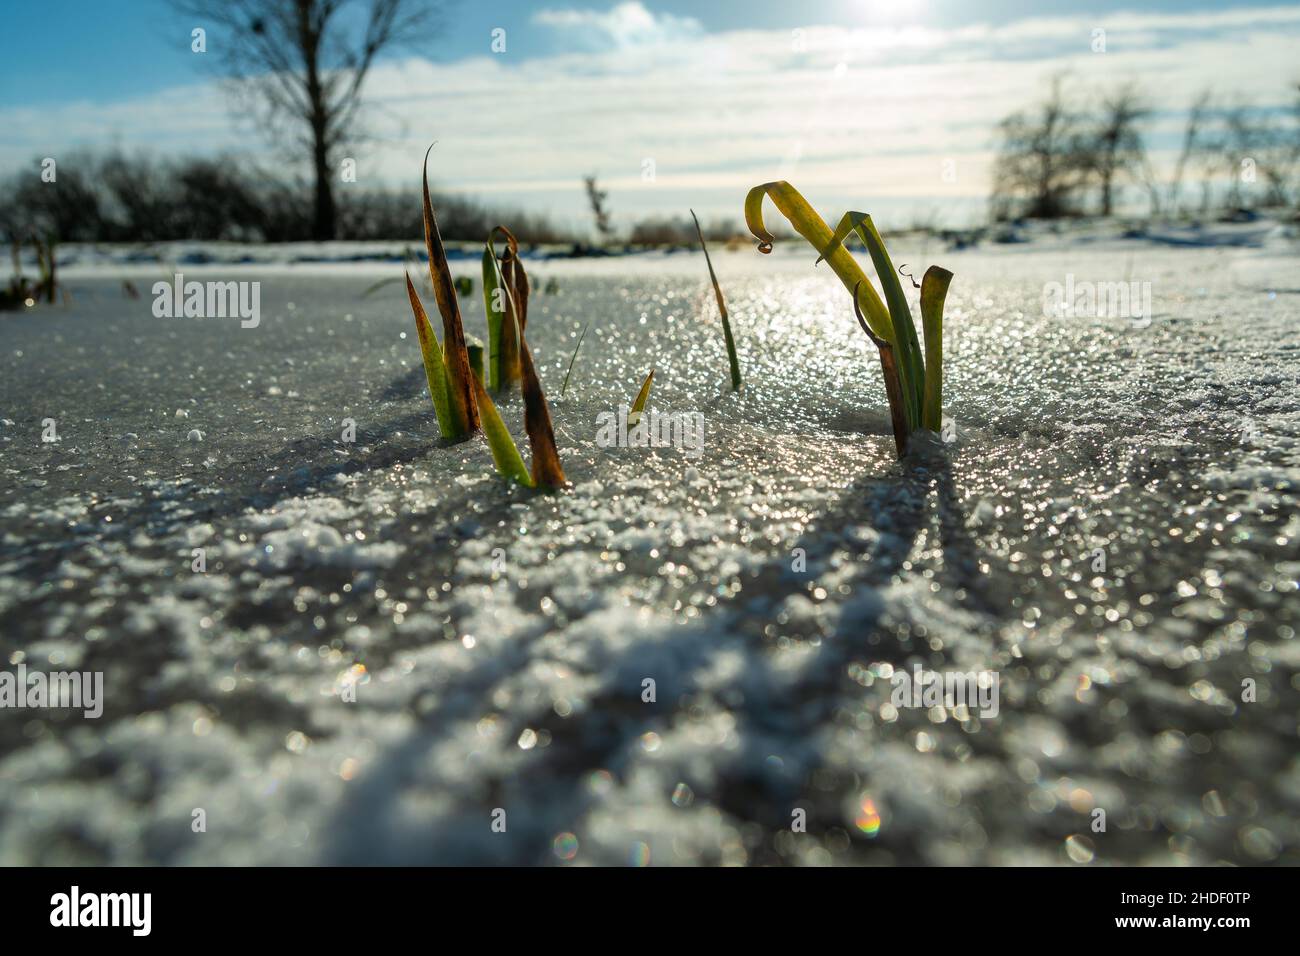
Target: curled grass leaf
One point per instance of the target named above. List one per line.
(722, 308)
(813, 228)
(638, 405)
(459, 377)
(913, 381)
(934, 290)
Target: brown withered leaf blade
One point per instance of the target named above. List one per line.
(893, 386)
(461, 387)
(515, 281)
(547, 471)
(513, 270)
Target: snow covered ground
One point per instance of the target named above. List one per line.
(389, 644)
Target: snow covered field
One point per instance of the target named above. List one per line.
(389, 644)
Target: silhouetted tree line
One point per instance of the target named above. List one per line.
(679, 231)
(1062, 158)
(116, 198)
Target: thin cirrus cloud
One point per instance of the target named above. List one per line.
(897, 115)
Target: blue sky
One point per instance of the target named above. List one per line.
(55, 50)
(855, 99)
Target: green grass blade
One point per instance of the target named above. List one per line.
(375, 287)
(573, 358)
(435, 370)
(495, 316)
(934, 290)
(905, 342)
(638, 405)
(410, 260)
(505, 453)
(813, 228)
(722, 308)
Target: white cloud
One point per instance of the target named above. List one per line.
(625, 26)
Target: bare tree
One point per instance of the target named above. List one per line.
(307, 60)
(1261, 147)
(596, 198)
(70, 209)
(1192, 133)
(1042, 163)
(1115, 146)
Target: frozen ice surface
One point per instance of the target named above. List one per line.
(388, 643)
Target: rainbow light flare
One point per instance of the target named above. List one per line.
(868, 818)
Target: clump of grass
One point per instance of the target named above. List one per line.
(722, 308)
(913, 381)
(459, 416)
(20, 291)
(460, 398)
